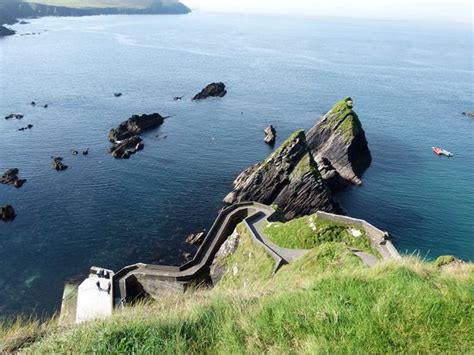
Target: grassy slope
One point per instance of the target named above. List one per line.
(326, 302)
(300, 234)
(127, 4)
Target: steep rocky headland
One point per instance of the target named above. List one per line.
(12, 10)
(288, 178)
(339, 146)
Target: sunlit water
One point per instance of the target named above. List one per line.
(409, 82)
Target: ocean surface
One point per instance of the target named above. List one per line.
(410, 82)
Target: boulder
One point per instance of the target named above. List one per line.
(7, 213)
(270, 135)
(58, 164)
(289, 178)
(469, 114)
(228, 248)
(10, 177)
(195, 239)
(127, 147)
(211, 90)
(340, 147)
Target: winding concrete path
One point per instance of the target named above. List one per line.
(158, 279)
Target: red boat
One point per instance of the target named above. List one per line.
(442, 152)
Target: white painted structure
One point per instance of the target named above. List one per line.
(95, 296)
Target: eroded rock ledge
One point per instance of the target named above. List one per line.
(339, 146)
(126, 137)
(288, 178)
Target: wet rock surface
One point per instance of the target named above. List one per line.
(58, 164)
(126, 137)
(14, 116)
(196, 239)
(7, 213)
(10, 177)
(211, 90)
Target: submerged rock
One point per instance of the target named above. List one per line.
(30, 126)
(117, 94)
(195, 239)
(340, 147)
(58, 164)
(127, 147)
(7, 213)
(270, 135)
(288, 178)
(10, 177)
(211, 90)
(14, 115)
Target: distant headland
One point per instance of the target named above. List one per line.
(12, 10)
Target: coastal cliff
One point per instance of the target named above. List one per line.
(12, 10)
(288, 178)
(339, 146)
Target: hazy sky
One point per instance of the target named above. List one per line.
(431, 10)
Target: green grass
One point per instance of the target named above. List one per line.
(309, 232)
(349, 123)
(130, 4)
(444, 260)
(325, 303)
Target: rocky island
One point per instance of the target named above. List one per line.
(211, 90)
(10, 177)
(339, 146)
(12, 10)
(126, 137)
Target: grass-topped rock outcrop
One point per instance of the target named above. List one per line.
(339, 146)
(289, 178)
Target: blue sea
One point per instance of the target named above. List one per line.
(410, 82)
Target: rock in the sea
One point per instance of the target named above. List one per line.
(270, 135)
(117, 94)
(212, 90)
(134, 126)
(195, 239)
(58, 164)
(339, 146)
(469, 114)
(85, 152)
(126, 137)
(14, 115)
(30, 126)
(288, 178)
(7, 213)
(10, 177)
(126, 148)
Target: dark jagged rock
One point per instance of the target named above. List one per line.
(85, 152)
(14, 115)
(33, 103)
(288, 178)
(6, 31)
(212, 90)
(177, 98)
(7, 213)
(118, 94)
(58, 164)
(195, 239)
(30, 126)
(135, 125)
(126, 137)
(10, 177)
(270, 135)
(127, 147)
(340, 147)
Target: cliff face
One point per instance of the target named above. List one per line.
(288, 178)
(11, 10)
(340, 147)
